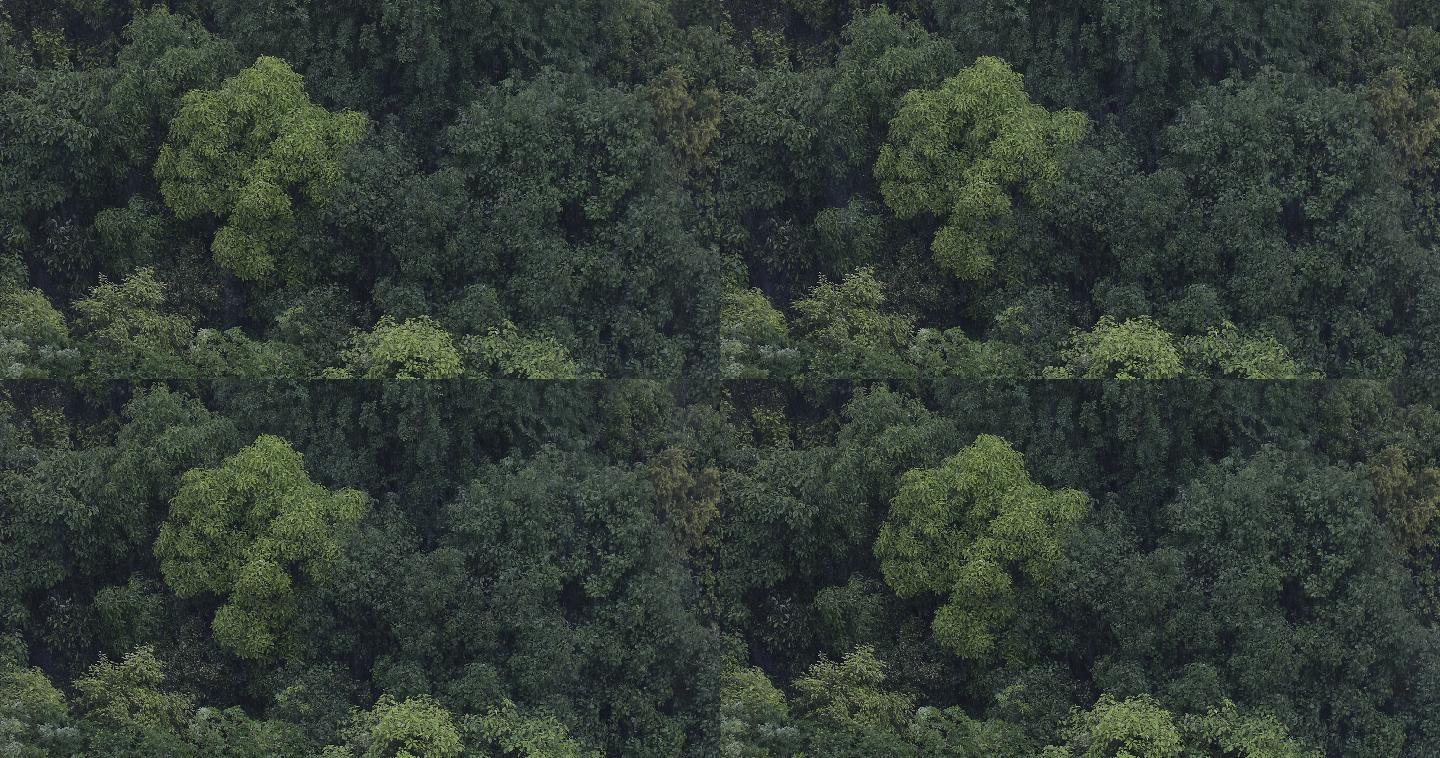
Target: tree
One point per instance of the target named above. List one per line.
(1405, 102)
(847, 696)
(59, 545)
(1295, 558)
(420, 61)
(415, 349)
(508, 733)
(542, 206)
(1139, 727)
(505, 351)
(952, 353)
(1134, 728)
(416, 727)
(575, 213)
(1134, 349)
(247, 531)
(52, 154)
(1227, 731)
(126, 710)
(687, 117)
(1225, 351)
(581, 605)
(689, 499)
(967, 531)
(236, 152)
(126, 333)
(419, 348)
(1408, 495)
(35, 719)
(754, 338)
(1142, 59)
(963, 151)
(755, 717)
(794, 174)
(845, 708)
(845, 334)
(166, 55)
(34, 339)
(1276, 192)
(79, 141)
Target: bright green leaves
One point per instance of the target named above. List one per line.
(417, 727)
(1228, 731)
(967, 531)
(1225, 351)
(1138, 727)
(129, 333)
(962, 150)
(846, 331)
(847, 708)
(121, 708)
(34, 340)
(1140, 348)
(419, 348)
(125, 332)
(848, 695)
(754, 338)
(505, 351)
(416, 348)
(754, 716)
(34, 718)
(840, 708)
(848, 336)
(239, 151)
(1136, 348)
(126, 695)
(247, 530)
(509, 733)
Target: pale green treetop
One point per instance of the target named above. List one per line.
(962, 152)
(246, 153)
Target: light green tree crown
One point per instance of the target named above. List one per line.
(247, 530)
(963, 150)
(243, 152)
(967, 530)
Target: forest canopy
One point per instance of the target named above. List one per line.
(732, 379)
(647, 188)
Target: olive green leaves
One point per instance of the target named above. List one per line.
(963, 151)
(249, 153)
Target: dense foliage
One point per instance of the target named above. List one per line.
(580, 568)
(668, 188)
(740, 379)
(372, 567)
(1185, 568)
